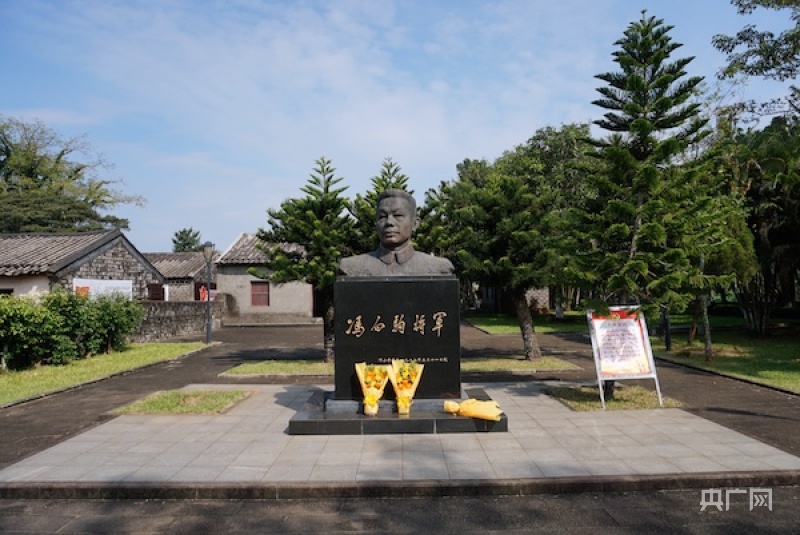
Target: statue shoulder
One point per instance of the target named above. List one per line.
(352, 265)
(437, 264)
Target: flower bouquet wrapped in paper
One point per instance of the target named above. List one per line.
(485, 410)
(405, 376)
(373, 379)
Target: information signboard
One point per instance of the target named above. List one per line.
(621, 347)
(95, 287)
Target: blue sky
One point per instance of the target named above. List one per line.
(214, 111)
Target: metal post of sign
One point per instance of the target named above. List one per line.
(208, 255)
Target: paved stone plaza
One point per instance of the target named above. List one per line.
(545, 441)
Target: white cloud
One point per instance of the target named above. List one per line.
(215, 111)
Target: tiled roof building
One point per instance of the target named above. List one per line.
(178, 265)
(255, 300)
(184, 274)
(34, 263)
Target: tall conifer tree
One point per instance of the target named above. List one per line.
(186, 240)
(634, 224)
(306, 239)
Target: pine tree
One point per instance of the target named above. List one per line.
(186, 240)
(306, 239)
(634, 225)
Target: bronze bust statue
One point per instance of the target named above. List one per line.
(396, 220)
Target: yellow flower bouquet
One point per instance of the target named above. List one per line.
(373, 379)
(484, 410)
(405, 376)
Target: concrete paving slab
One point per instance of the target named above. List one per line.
(545, 441)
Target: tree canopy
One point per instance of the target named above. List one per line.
(501, 234)
(306, 238)
(758, 52)
(630, 230)
(764, 166)
(52, 184)
(186, 240)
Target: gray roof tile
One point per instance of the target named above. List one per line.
(34, 254)
(178, 265)
(244, 251)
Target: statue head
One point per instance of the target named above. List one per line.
(396, 218)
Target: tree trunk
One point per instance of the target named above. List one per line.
(708, 349)
(667, 326)
(784, 280)
(529, 340)
(756, 300)
(699, 308)
(559, 298)
(328, 337)
(608, 390)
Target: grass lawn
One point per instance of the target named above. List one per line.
(506, 324)
(18, 385)
(625, 397)
(309, 367)
(186, 402)
(774, 360)
(685, 320)
(576, 322)
(282, 367)
(510, 364)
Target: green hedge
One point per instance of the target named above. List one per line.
(62, 326)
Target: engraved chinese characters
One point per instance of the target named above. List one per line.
(355, 326)
(411, 318)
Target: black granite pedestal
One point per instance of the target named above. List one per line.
(314, 419)
(378, 320)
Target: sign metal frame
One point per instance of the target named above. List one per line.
(621, 347)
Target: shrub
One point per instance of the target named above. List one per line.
(63, 326)
(77, 325)
(28, 332)
(117, 317)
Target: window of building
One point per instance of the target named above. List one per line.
(6, 291)
(155, 291)
(259, 293)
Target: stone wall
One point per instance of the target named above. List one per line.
(170, 319)
(114, 263)
(181, 290)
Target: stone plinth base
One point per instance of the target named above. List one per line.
(427, 416)
(385, 405)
